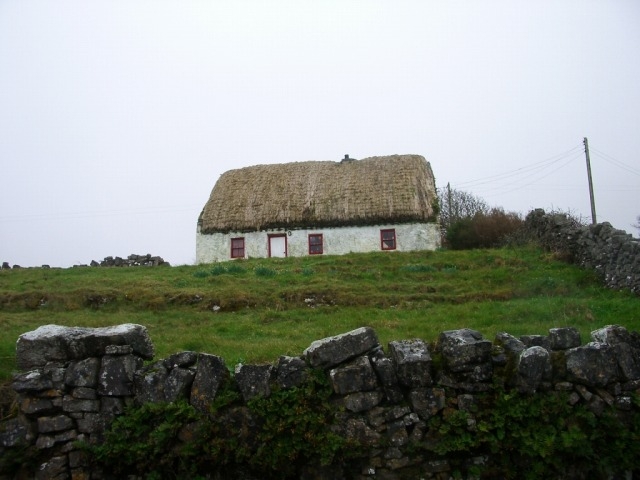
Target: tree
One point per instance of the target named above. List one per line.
(456, 205)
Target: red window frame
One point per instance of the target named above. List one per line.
(237, 247)
(316, 241)
(388, 239)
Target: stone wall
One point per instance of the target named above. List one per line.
(614, 254)
(132, 260)
(75, 381)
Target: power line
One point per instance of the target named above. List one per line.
(617, 163)
(526, 169)
(98, 213)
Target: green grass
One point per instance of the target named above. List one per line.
(256, 310)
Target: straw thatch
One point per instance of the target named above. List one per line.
(373, 191)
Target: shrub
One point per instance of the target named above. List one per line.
(483, 230)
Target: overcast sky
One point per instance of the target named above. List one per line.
(118, 117)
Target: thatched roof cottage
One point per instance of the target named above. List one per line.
(310, 208)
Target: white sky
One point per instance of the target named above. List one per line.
(117, 117)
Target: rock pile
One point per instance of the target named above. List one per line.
(131, 261)
(75, 381)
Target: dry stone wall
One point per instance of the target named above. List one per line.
(75, 381)
(614, 254)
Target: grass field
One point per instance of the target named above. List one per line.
(256, 310)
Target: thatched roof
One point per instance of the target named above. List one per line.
(373, 191)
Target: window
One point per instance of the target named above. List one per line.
(315, 243)
(237, 247)
(388, 239)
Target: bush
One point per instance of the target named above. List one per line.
(483, 230)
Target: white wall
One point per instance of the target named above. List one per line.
(336, 241)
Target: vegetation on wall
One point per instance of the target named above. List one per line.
(272, 437)
(536, 436)
(504, 434)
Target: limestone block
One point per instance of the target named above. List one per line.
(626, 347)
(83, 373)
(386, 373)
(253, 380)
(536, 341)
(510, 344)
(36, 406)
(178, 384)
(15, 431)
(53, 468)
(355, 376)
(181, 359)
(291, 372)
(426, 402)
(532, 365)
(463, 348)
(58, 343)
(412, 361)
(564, 338)
(362, 401)
(74, 405)
(149, 383)
(332, 351)
(54, 424)
(117, 374)
(32, 381)
(593, 364)
(212, 372)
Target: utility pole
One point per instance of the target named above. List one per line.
(593, 203)
(449, 203)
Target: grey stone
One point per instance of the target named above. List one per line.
(355, 376)
(54, 424)
(426, 402)
(91, 423)
(332, 351)
(626, 347)
(58, 343)
(564, 338)
(397, 434)
(532, 365)
(54, 467)
(150, 382)
(84, 393)
(362, 401)
(253, 380)
(178, 384)
(462, 348)
(536, 341)
(14, 432)
(510, 344)
(593, 364)
(112, 406)
(357, 430)
(117, 375)
(40, 406)
(83, 373)
(45, 441)
(211, 374)
(386, 373)
(182, 360)
(32, 381)
(291, 372)
(73, 405)
(413, 362)
(118, 350)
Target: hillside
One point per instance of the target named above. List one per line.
(256, 310)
